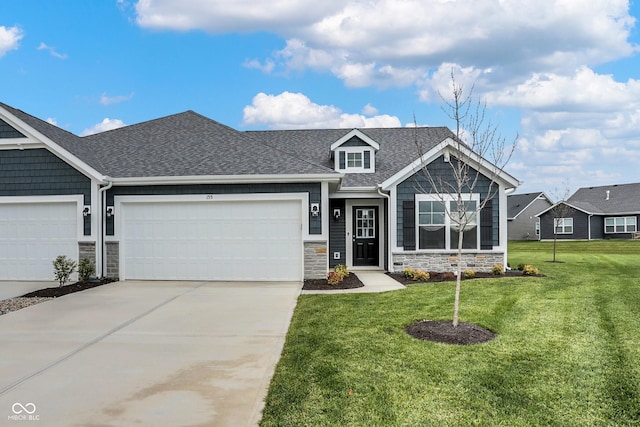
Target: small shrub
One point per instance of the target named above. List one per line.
(334, 278)
(63, 267)
(449, 275)
(469, 274)
(497, 270)
(342, 270)
(521, 266)
(86, 269)
(530, 270)
(416, 275)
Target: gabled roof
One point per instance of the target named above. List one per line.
(616, 199)
(189, 144)
(399, 147)
(355, 133)
(517, 203)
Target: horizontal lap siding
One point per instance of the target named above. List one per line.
(580, 225)
(337, 233)
(313, 189)
(37, 172)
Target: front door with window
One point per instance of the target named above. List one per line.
(365, 236)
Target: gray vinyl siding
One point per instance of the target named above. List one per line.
(337, 233)
(580, 225)
(419, 184)
(313, 189)
(597, 227)
(7, 131)
(524, 226)
(38, 172)
(355, 142)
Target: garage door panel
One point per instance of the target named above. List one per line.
(32, 235)
(252, 240)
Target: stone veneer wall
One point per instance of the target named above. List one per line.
(480, 262)
(315, 260)
(113, 260)
(87, 250)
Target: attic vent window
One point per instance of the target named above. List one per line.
(357, 160)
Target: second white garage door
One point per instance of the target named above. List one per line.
(222, 240)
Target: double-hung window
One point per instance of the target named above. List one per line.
(563, 225)
(626, 224)
(440, 220)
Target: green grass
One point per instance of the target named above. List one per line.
(567, 351)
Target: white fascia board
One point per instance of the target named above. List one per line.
(538, 197)
(36, 137)
(449, 145)
(356, 133)
(568, 204)
(225, 179)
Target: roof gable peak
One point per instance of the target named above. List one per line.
(355, 133)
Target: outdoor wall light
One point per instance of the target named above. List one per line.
(110, 211)
(86, 211)
(336, 214)
(315, 209)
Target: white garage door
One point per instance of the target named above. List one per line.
(222, 240)
(32, 235)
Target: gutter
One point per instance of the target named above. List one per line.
(388, 224)
(102, 227)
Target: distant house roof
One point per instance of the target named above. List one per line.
(616, 199)
(516, 203)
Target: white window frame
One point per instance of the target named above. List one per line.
(353, 150)
(629, 221)
(355, 157)
(562, 224)
(446, 199)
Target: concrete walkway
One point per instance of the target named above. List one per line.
(373, 280)
(145, 354)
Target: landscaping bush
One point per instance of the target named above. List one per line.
(521, 266)
(416, 275)
(469, 274)
(334, 278)
(63, 267)
(497, 270)
(530, 270)
(342, 270)
(86, 269)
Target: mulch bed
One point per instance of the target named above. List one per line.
(447, 277)
(59, 291)
(442, 331)
(349, 282)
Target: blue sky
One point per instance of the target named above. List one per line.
(564, 76)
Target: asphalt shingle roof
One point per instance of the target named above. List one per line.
(623, 199)
(516, 203)
(189, 144)
(397, 148)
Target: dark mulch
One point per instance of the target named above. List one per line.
(59, 291)
(442, 331)
(349, 282)
(446, 277)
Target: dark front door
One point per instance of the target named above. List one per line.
(365, 235)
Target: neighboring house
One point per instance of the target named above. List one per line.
(522, 210)
(185, 198)
(607, 212)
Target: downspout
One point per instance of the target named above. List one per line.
(388, 225)
(102, 225)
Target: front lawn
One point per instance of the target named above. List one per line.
(567, 351)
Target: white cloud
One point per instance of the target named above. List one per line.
(52, 121)
(296, 111)
(103, 126)
(52, 51)
(108, 100)
(9, 39)
(369, 110)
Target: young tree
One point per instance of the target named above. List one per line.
(559, 211)
(478, 146)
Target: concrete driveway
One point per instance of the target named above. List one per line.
(145, 354)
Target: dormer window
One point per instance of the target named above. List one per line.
(355, 153)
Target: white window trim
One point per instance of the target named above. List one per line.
(564, 226)
(446, 199)
(358, 149)
(626, 225)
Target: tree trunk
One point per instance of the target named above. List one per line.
(456, 303)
